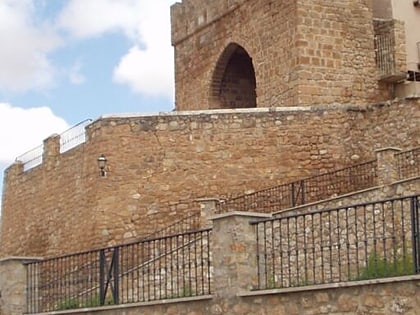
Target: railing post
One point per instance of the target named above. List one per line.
(234, 258)
(302, 189)
(102, 277)
(293, 195)
(415, 232)
(116, 271)
(387, 166)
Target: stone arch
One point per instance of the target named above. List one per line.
(233, 83)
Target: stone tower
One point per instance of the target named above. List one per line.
(243, 53)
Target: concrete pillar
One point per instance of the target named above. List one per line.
(207, 210)
(234, 253)
(13, 285)
(387, 166)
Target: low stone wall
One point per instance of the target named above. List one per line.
(388, 298)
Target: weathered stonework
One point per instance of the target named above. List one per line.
(157, 165)
(13, 285)
(302, 52)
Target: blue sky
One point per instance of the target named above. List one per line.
(64, 61)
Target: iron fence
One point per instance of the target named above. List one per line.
(385, 54)
(153, 269)
(371, 240)
(191, 222)
(73, 136)
(408, 163)
(323, 186)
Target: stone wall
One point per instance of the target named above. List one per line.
(304, 52)
(235, 277)
(157, 166)
(366, 298)
(13, 285)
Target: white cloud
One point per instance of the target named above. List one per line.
(75, 75)
(84, 19)
(147, 67)
(24, 129)
(25, 47)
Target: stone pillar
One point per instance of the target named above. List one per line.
(13, 285)
(207, 210)
(51, 151)
(234, 253)
(387, 166)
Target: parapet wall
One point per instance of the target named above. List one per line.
(157, 165)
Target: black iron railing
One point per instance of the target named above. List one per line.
(191, 222)
(408, 163)
(153, 269)
(345, 180)
(385, 54)
(359, 242)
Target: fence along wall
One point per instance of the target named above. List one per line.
(355, 242)
(234, 272)
(158, 164)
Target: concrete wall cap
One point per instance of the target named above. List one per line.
(22, 259)
(388, 149)
(255, 215)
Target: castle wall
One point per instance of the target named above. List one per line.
(158, 164)
(304, 52)
(335, 51)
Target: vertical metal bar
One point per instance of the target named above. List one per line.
(266, 269)
(288, 251)
(321, 246)
(305, 251)
(384, 238)
(116, 259)
(298, 282)
(415, 226)
(356, 241)
(313, 249)
(302, 189)
(273, 254)
(102, 277)
(375, 241)
(348, 244)
(330, 246)
(338, 241)
(293, 195)
(280, 221)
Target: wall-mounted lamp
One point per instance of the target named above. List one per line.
(102, 165)
(416, 3)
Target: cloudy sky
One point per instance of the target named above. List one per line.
(64, 61)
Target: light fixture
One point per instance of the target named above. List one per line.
(416, 3)
(102, 165)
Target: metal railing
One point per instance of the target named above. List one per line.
(408, 163)
(189, 223)
(31, 158)
(385, 54)
(73, 136)
(153, 269)
(345, 180)
(359, 242)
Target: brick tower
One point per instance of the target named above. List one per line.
(242, 53)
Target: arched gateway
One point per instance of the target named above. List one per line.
(233, 84)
